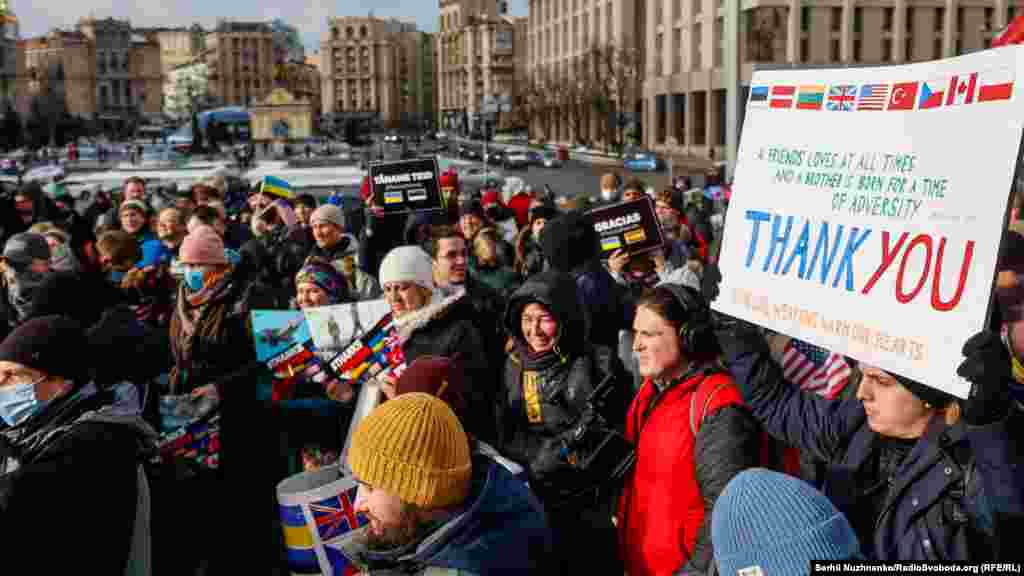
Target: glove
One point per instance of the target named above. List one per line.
(737, 337)
(987, 367)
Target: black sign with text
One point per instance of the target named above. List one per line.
(406, 185)
(631, 226)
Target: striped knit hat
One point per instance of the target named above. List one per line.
(413, 447)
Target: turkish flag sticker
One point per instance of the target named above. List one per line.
(903, 96)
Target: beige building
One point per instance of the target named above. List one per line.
(240, 56)
(281, 117)
(178, 46)
(64, 61)
(475, 60)
(685, 91)
(9, 55)
(595, 48)
(302, 81)
(368, 66)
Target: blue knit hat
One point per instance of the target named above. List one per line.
(770, 524)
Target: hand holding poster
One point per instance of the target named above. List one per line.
(632, 226)
(406, 185)
(283, 342)
(869, 205)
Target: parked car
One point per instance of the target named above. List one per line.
(551, 159)
(473, 178)
(470, 152)
(441, 135)
(643, 161)
(535, 158)
(8, 167)
(393, 138)
(495, 157)
(516, 159)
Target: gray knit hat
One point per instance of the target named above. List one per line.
(330, 214)
(771, 524)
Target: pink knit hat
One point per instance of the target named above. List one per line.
(202, 246)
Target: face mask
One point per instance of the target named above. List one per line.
(607, 194)
(18, 402)
(193, 278)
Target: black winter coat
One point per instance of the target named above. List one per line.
(534, 424)
(273, 260)
(570, 246)
(101, 459)
(959, 489)
(446, 327)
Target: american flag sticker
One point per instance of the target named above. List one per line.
(873, 97)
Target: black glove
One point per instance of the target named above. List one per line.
(737, 337)
(987, 368)
(709, 282)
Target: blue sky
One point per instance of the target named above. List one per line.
(309, 16)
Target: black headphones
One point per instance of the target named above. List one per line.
(696, 334)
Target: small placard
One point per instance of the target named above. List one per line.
(632, 226)
(407, 185)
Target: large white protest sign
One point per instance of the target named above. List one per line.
(869, 204)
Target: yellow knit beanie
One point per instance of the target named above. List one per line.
(414, 448)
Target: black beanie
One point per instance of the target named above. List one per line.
(54, 345)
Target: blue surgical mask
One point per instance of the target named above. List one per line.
(18, 402)
(193, 278)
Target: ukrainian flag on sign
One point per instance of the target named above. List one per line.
(610, 243)
(393, 197)
(298, 541)
(277, 187)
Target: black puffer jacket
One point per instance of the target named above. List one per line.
(534, 423)
(570, 245)
(446, 327)
(273, 260)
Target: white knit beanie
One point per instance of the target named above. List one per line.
(407, 264)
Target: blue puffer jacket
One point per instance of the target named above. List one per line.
(959, 490)
(500, 530)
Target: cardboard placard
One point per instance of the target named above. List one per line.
(632, 226)
(407, 185)
(869, 205)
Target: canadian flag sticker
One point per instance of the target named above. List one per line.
(961, 89)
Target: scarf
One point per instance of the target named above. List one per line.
(538, 361)
(197, 317)
(20, 287)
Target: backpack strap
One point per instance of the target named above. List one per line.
(719, 384)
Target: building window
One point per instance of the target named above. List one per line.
(836, 55)
(719, 41)
(805, 18)
(908, 49)
(937, 49)
(837, 18)
(887, 19)
(362, 31)
(940, 18)
(910, 20)
(988, 18)
(856, 50)
(698, 5)
(805, 50)
(677, 50)
(886, 49)
(1009, 13)
(697, 62)
(659, 54)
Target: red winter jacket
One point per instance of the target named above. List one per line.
(520, 205)
(677, 476)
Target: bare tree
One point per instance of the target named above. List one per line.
(617, 72)
(764, 27)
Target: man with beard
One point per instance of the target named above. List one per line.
(25, 264)
(433, 505)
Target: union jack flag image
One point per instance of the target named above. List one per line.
(816, 369)
(336, 516)
(841, 98)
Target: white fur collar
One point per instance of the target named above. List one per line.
(439, 304)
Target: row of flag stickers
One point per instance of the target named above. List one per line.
(921, 95)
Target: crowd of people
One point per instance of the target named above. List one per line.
(557, 412)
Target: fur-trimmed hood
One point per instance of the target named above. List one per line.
(439, 307)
